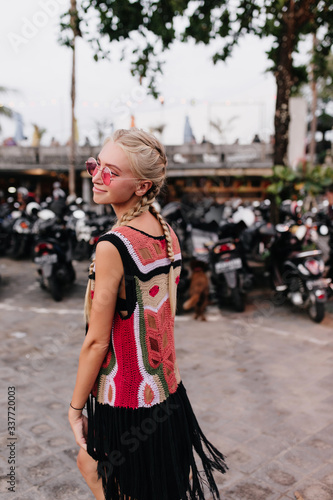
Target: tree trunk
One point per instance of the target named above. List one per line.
(284, 81)
(312, 150)
(72, 156)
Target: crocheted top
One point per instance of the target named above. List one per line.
(140, 368)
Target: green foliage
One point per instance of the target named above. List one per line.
(5, 111)
(151, 26)
(70, 25)
(39, 131)
(325, 81)
(305, 181)
(220, 20)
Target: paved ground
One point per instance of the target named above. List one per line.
(260, 384)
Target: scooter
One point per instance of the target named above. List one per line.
(297, 275)
(53, 254)
(21, 240)
(231, 276)
(229, 279)
(88, 229)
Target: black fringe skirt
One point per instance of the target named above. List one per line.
(148, 453)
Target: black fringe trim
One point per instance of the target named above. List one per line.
(148, 453)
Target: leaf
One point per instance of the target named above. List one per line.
(278, 170)
(276, 187)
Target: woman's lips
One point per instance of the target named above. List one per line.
(97, 190)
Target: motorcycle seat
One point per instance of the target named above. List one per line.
(267, 230)
(304, 255)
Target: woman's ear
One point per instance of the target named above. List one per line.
(143, 187)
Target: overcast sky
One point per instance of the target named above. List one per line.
(238, 93)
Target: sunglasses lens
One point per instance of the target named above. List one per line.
(106, 176)
(91, 166)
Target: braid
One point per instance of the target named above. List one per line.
(142, 206)
(166, 232)
(90, 288)
(135, 211)
(171, 255)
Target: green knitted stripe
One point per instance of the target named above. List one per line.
(142, 328)
(108, 369)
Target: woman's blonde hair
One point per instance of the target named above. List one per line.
(147, 161)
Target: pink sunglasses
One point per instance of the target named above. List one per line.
(92, 169)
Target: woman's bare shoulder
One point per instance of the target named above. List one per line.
(108, 259)
(148, 224)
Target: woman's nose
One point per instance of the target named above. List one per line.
(97, 175)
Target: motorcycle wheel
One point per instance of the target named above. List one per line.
(72, 273)
(238, 300)
(81, 251)
(55, 289)
(17, 248)
(316, 310)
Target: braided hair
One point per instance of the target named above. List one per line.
(148, 161)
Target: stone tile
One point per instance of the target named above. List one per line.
(41, 428)
(279, 475)
(57, 442)
(3, 482)
(326, 382)
(287, 432)
(326, 434)
(44, 470)
(31, 494)
(66, 488)
(314, 491)
(29, 448)
(266, 445)
(71, 453)
(230, 479)
(299, 460)
(244, 460)
(308, 422)
(21, 483)
(318, 447)
(324, 475)
(222, 442)
(239, 431)
(251, 490)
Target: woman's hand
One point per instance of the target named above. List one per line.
(79, 425)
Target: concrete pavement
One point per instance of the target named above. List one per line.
(260, 384)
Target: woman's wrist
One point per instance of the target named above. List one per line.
(75, 408)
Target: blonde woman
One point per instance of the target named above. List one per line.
(140, 435)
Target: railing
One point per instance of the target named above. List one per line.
(181, 158)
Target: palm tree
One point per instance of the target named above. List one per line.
(220, 128)
(5, 110)
(37, 135)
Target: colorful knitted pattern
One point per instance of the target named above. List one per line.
(140, 368)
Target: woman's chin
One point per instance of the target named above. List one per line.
(100, 199)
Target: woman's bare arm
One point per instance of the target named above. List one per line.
(108, 274)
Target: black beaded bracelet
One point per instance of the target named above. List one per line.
(77, 409)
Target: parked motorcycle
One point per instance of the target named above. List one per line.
(22, 238)
(53, 254)
(7, 219)
(297, 274)
(229, 279)
(257, 238)
(88, 229)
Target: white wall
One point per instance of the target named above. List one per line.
(297, 131)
